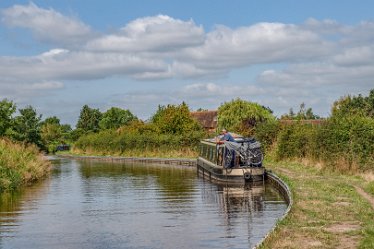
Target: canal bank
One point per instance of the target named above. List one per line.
(327, 211)
(137, 160)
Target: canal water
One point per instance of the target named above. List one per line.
(86, 204)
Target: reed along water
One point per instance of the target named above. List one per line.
(87, 204)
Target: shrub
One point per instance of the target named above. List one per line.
(266, 133)
(20, 164)
(344, 143)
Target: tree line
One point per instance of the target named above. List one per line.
(49, 133)
(170, 132)
(344, 140)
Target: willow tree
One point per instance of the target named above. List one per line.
(242, 116)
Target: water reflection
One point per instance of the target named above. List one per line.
(106, 205)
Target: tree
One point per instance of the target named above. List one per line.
(116, 117)
(175, 119)
(242, 116)
(54, 134)
(89, 119)
(370, 104)
(51, 120)
(356, 105)
(302, 114)
(26, 126)
(7, 109)
(51, 135)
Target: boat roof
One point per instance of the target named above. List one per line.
(236, 136)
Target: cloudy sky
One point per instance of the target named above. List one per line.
(60, 55)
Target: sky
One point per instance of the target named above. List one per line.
(60, 55)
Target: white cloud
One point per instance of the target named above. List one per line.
(316, 60)
(156, 33)
(49, 85)
(260, 43)
(64, 64)
(356, 56)
(161, 47)
(202, 90)
(322, 74)
(20, 92)
(47, 24)
(54, 52)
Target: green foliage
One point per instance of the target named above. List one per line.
(266, 133)
(143, 141)
(294, 141)
(171, 129)
(89, 119)
(7, 108)
(20, 164)
(52, 136)
(116, 117)
(302, 114)
(51, 120)
(344, 143)
(347, 142)
(26, 126)
(242, 116)
(175, 119)
(370, 188)
(356, 105)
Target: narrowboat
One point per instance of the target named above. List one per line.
(224, 161)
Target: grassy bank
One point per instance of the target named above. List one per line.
(138, 141)
(328, 211)
(20, 165)
(135, 152)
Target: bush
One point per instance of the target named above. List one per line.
(344, 143)
(266, 133)
(172, 132)
(294, 141)
(20, 164)
(131, 141)
(242, 116)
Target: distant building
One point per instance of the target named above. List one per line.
(207, 119)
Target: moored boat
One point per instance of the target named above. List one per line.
(225, 161)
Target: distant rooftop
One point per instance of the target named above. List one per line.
(208, 119)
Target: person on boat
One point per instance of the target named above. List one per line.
(229, 138)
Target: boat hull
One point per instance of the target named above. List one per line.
(218, 173)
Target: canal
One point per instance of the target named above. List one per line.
(87, 204)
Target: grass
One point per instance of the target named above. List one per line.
(370, 187)
(20, 164)
(327, 212)
(159, 153)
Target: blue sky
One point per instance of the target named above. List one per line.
(59, 55)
